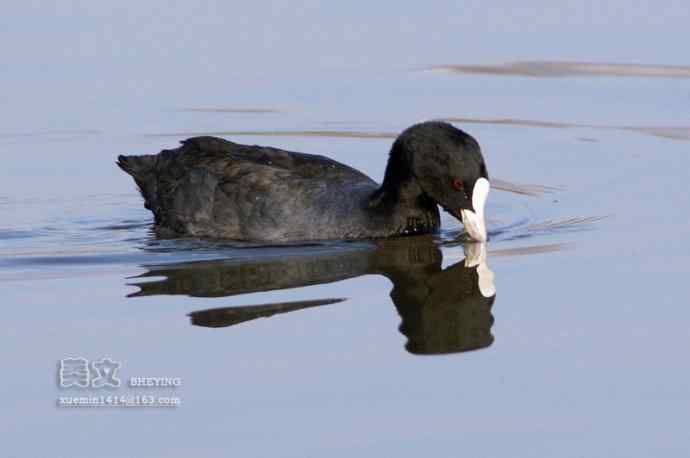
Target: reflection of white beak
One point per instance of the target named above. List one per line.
(474, 222)
(475, 256)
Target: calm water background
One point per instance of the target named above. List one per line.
(590, 356)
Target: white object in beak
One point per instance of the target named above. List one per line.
(474, 222)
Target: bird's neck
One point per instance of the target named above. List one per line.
(402, 201)
(399, 183)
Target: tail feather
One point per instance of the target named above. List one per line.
(137, 166)
(142, 169)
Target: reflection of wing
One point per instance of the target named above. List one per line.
(228, 316)
(230, 277)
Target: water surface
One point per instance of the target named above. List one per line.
(567, 337)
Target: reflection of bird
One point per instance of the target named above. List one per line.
(215, 188)
(442, 311)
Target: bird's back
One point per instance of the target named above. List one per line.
(216, 188)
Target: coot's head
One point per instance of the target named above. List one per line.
(449, 167)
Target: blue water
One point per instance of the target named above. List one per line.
(370, 349)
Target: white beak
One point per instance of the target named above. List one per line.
(474, 222)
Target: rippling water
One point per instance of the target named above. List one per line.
(566, 337)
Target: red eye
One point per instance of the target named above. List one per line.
(457, 184)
